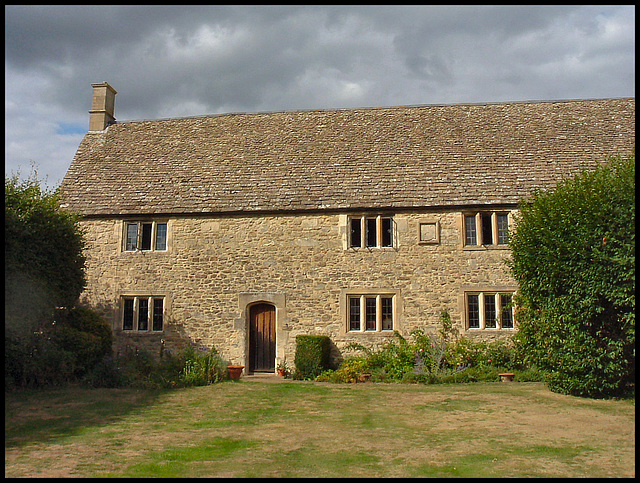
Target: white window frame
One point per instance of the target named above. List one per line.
(136, 311)
(154, 235)
(482, 298)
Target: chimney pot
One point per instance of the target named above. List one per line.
(102, 106)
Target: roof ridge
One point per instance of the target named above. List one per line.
(372, 108)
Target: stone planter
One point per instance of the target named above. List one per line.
(506, 376)
(235, 371)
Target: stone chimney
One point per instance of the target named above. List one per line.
(102, 107)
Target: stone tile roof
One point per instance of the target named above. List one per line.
(377, 158)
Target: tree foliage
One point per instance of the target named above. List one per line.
(573, 255)
(47, 340)
(44, 263)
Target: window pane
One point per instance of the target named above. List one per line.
(503, 229)
(158, 307)
(127, 319)
(490, 311)
(470, 230)
(370, 313)
(387, 232)
(145, 244)
(387, 313)
(354, 313)
(161, 236)
(473, 311)
(132, 237)
(487, 229)
(507, 311)
(356, 232)
(143, 314)
(372, 232)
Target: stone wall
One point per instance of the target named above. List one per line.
(215, 268)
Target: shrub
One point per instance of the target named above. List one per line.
(531, 374)
(35, 361)
(106, 373)
(396, 358)
(432, 358)
(202, 367)
(349, 371)
(137, 365)
(191, 366)
(498, 353)
(44, 269)
(573, 255)
(312, 356)
(470, 374)
(44, 261)
(85, 334)
(57, 352)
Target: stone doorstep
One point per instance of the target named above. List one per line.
(264, 377)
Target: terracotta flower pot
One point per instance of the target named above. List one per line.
(365, 377)
(235, 371)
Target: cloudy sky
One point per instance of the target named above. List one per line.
(184, 61)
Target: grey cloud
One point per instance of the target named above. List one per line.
(174, 61)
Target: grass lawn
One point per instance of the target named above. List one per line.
(299, 429)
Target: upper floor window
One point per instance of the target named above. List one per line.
(371, 231)
(486, 228)
(145, 235)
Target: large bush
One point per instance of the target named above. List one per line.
(44, 263)
(85, 334)
(59, 352)
(573, 255)
(44, 270)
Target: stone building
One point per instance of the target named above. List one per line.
(242, 231)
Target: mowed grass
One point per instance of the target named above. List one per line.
(300, 429)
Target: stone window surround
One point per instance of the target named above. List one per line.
(482, 289)
(346, 294)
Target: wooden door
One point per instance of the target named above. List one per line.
(262, 338)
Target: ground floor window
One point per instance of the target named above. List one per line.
(371, 313)
(143, 313)
(489, 310)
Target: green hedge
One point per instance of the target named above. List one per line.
(312, 356)
(573, 256)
